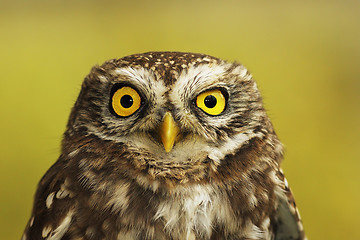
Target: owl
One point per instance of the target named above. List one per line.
(167, 145)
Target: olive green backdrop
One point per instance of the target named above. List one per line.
(304, 55)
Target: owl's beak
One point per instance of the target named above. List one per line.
(168, 131)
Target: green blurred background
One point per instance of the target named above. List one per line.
(304, 55)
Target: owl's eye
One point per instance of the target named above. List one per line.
(125, 101)
(211, 102)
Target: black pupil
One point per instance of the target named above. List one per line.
(210, 101)
(126, 101)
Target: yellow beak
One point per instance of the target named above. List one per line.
(168, 131)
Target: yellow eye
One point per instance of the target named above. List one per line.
(212, 102)
(125, 101)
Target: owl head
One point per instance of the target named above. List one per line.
(164, 117)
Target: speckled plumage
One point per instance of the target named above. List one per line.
(114, 180)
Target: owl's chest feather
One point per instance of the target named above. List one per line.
(193, 212)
